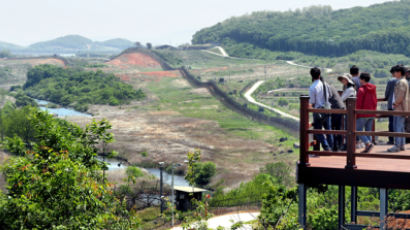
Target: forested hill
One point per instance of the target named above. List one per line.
(317, 30)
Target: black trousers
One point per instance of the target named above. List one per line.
(391, 129)
(337, 125)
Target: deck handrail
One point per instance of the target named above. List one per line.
(351, 112)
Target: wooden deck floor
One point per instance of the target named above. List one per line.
(364, 163)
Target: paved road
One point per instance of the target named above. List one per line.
(222, 51)
(248, 96)
(228, 220)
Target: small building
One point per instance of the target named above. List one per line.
(184, 195)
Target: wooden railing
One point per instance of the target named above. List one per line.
(350, 133)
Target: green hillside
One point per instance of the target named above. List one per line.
(8, 46)
(76, 44)
(67, 42)
(316, 30)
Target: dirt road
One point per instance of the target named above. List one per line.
(248, 96)
(226, 221)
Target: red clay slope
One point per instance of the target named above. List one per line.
(135, 59)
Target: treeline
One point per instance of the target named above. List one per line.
(78, 88)
(318, 30)
(54, 180)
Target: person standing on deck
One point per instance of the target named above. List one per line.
(366, 99)
(349, 90)
(335, 102)
(400, 103)
(354, 71)
(388, 96)
(408, 118)
(319, 99)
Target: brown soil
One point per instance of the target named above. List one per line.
(135, 59)
(168, 136)
(51, 61)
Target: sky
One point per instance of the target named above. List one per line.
(173, 22)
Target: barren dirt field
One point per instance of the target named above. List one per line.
(18, 69)
(168, 136)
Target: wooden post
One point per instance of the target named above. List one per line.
(351, 133)
(353, 205)
(304, 126)
(383, 207)
(374, 129)
(341, 211)
(302, 205)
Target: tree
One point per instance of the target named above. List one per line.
(281, 171)
(77, 88)
(204, 171)
(316, 30)
(149, 45)
(5, 54)
(199, 173)
(278, 208)
(57, 182)
(283, 102)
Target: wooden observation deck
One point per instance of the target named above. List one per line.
(378, 169)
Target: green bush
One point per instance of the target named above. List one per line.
(203, 172)
(78, 88)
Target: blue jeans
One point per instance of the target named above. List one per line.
(398, 124)
(367, 124)
(324, 123)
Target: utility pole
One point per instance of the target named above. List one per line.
(173, 191)
(161, 166)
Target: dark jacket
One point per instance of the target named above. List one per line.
(334, 98)
(366, 99)
(388, 93)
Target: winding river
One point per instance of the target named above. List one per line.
(113, 164)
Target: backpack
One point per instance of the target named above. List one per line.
(335, 101)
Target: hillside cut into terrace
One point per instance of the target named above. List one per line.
(136, 59)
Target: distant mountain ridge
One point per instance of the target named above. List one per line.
(70, 44)
(316, 30)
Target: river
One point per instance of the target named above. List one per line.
(60, 112)
(113, 164)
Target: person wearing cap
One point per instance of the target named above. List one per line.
(349, 89)
(388, 96)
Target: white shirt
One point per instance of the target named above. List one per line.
(316, 94)
(349, 92)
